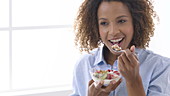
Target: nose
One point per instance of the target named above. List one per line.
(114, 29)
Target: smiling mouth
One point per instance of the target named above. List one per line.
(116, 41)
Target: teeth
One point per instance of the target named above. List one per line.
(117, 40)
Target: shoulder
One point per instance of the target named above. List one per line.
(151, 57)
(154, 61)
(157, 70)
(161, 59)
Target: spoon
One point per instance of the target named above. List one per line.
(116, 48)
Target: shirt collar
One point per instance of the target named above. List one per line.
(99, 56)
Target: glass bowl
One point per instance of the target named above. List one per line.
(105, 75)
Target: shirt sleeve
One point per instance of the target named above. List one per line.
(75, 88)
(160, 82)
(80, 78)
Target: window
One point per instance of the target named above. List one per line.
(37, 44)
(4, 45)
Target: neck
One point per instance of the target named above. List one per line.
(108, 56)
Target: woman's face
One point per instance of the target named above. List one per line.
(115, 24)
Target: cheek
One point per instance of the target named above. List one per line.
(103, 36)
(130, 33)
(102, 33)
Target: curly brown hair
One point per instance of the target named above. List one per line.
(86, 23)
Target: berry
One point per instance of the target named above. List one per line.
(108, 70)
(109, 76)
(116, 72)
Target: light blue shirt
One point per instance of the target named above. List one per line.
(154, 71)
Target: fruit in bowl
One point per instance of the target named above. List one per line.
(106, 75)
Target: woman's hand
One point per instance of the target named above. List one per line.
(129, 65)
(129, 69)
(97, 89)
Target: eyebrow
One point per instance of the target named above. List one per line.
(121, 16)
(116, 17)
(102, 19)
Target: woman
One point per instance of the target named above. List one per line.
(129, 24)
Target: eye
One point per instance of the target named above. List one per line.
(121, 21)
(103, 23)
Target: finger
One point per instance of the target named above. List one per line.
(90, 82)
(131, 57)
(94, 88)
(98, 85)
(126, 60)
(116, 84)
(129, 54)
(132, 48)
(112, 86)
(121, 65)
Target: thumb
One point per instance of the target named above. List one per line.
(90, 82)
(132, 48)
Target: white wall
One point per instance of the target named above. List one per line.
(160, 42)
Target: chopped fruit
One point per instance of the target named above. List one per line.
(116, 72)
(108, 70)
(108, 74)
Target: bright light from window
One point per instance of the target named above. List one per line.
(43, 58)
(4, 60)
(42, 44)
(44, 12)
(4, 14)
(159, 43)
